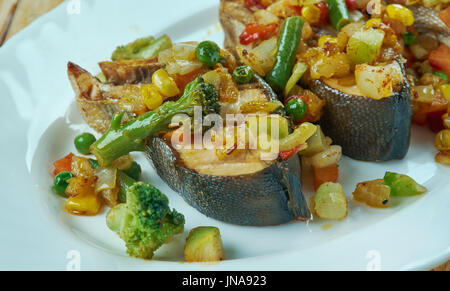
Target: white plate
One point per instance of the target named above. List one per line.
(39, 121)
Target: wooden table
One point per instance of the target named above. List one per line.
(26, 11)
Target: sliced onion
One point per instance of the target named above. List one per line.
(106, 179)
(183, 67)
(262, 58)
(300, 135)
(331, 156)
(123, 163)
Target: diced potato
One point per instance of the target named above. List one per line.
(81, 167)
(80, 185)
(336, 65)
(374, 193)
(330, 202)
(377, 82)
(204, 244)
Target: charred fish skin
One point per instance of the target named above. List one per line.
(367, 129)
(270, 197)
(427, 19)
(130, 71)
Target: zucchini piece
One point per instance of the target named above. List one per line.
(204, 244)
(330, 201)
(339, 16)
(364, 46)
(403, 185)
(316, 143)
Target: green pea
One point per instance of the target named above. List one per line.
(83, 142)
(134, 171)
(60, 183)
(243, 74)
(208, 53)
(296, 108)
(409, 38)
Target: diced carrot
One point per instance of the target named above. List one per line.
(63, 165)
(183, 80)
(444, 15)
(327, 174)
(439, 59)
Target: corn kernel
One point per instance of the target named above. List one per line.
(85, 204)
(326, 38)
(400, 13)
(443, 157)
(311, 13)
(166, 85)
(442, 140)
(446, 120)
(151, 96)
(445, 89)
(373, 22)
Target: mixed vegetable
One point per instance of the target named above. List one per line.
(361, 53)
(289, 43)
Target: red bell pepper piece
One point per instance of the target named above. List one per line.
(255, 32)
(253, 3)
(324, 19)
(63, 165)
(435, 120)
(439, 59)
(351, 4)
(286, 155)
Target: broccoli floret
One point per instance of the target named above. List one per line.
(142, 48)
(121, 140)
(145, 222)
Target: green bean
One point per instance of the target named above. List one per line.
(288, 44)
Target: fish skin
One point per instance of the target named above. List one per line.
(268, 197)
(367, 129)
(427, 19)
(130, 71)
